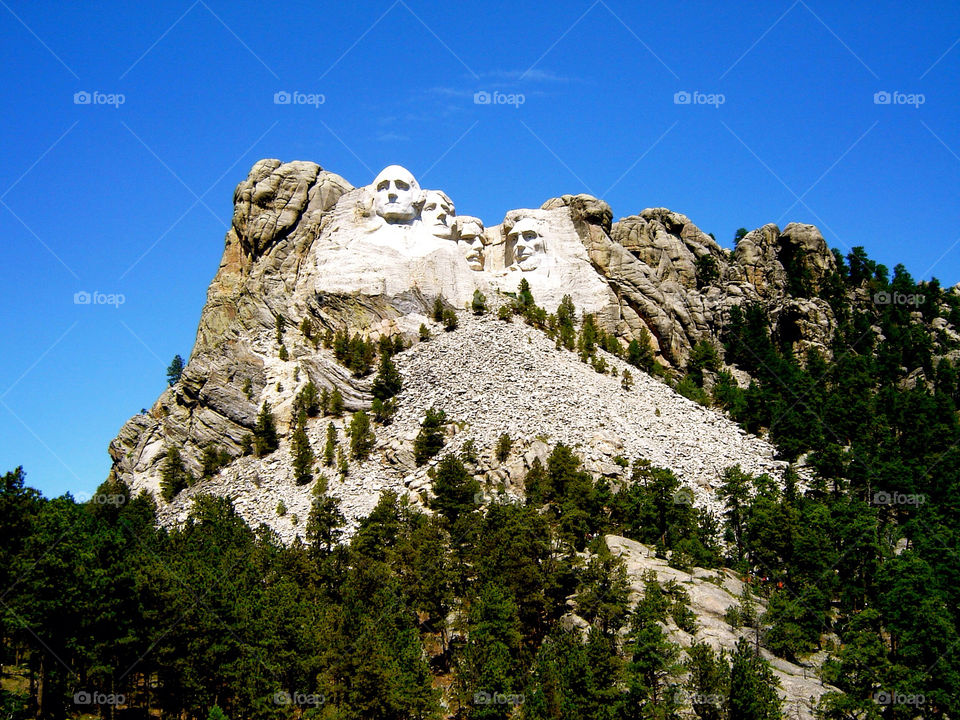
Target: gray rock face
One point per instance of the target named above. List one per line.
(711, 593)
(305, 245)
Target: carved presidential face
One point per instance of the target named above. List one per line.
(527, 243)
(397, 195)
(438, 213)
(470, 232)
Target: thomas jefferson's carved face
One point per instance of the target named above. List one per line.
(397, 195)
(527, 244)
(438, 213)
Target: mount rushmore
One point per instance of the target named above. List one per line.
(306, 245)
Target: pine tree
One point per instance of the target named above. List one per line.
(640, 351)
(265, 432)
(361, 436)
(479, 303)
(429, 440)
(504, 443)
(307, 401)
(217, 714)
(566, 317)
(454, 489)
(175, 370)
(424, 333)
(336, 403)
(388, 381)
(330, 448)
(324, 522)
(450, 321)
(753, 686)
(438, 309)
(301, 452)
(173, 475)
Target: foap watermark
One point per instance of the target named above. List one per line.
(484, 97)
(893, 697)
(299, 699)
(484, 698)
(683, 496)
(115, 499)
(897, 498)
(83, 697)
(98, 298)
(282, 97)
(84, 97)
(683, 97)
(884, 97)
(898, 298)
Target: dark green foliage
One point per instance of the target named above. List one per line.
(384, 410)
(438, 308)
(281, 325)
(479, 303)
(302, 453)
(361, 436)
(708, 681)
(354, 352)
(450, 321)
(566, 319)
(640, 352)
(430, 439)
(265, 439)
(627, 382)
(424, 333)
(739, 235)
(707, 271)
(213, 459)
(217, 714)
(330, 447)
(308, 401)
(753, 686)
(175, 370)
(703, 356)
(306, 328)
(504, 443)
(336, 403)
(388, 381)
(173, 475)
(454, 489)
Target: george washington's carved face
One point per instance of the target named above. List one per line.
(438, 214)
(397, 195)
(527, 244)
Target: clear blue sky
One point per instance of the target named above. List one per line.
(134, 198)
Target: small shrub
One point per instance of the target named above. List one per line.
(504, 444)
(450, 321)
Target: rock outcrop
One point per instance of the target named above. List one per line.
(306, 246)
(711, 593)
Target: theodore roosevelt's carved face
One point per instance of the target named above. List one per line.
(397, 195)
(438, 214)
(527, 244)
(470, 234)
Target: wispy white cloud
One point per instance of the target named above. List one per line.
(392, 137)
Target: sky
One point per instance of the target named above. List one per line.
(126, 127)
